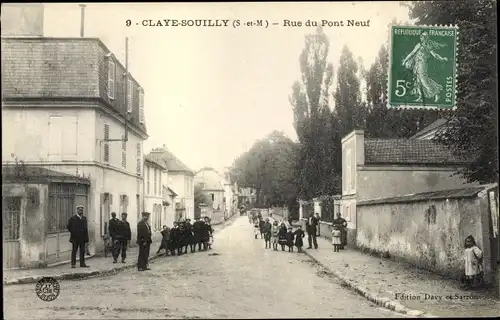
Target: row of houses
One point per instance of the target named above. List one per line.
(73, 128)
(401, 198)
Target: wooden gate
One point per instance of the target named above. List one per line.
(63, 199)
(11, 219)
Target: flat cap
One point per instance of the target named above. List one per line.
(80, 206)
(145, 213)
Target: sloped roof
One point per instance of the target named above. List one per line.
(27, 173)
(433, 126)
(169, 160)
(468, 192)
(154, 160)
(210, 178)
(172, 192)
(408, 151)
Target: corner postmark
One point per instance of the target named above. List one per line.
(422, 67)
(47, 289)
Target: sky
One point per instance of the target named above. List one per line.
(210, 92)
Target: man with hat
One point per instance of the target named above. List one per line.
(144, 241)
(79, 236)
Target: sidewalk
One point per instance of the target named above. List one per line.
(386, 282)
(98, 265)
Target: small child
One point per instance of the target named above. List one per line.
(256, 229)
(336, 239)
(274, 235)
(299, 235)
(289, 239)
(473, 259)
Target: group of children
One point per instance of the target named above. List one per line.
(184, 234)
(278, 234)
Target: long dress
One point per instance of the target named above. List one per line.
(289, 238)
(419, 63)
(282, 236)
(473, 265)
(341, 223)
(336, 237)
(299, 235)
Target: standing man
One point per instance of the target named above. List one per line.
(319, 225)
(341, 223)
(113, 227)
(123, 235)
(144, 241)
(311, 227)
(198, 232)
(78, 228)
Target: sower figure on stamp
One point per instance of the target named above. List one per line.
(311, 228)
(144, 241)
(122, 236)
(78, 228)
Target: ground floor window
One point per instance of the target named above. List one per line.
(11, 216)
(63, 199)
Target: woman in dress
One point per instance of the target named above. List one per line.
(282, 236)
(417, 61)
(299, 238)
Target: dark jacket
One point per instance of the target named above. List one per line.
(173, 241)
(312, 227)
(78, 229)
(267, 227)
(113, 227)
(198, 226)
(289, 238)
(123, 231)
(165, 237)
(143, 233)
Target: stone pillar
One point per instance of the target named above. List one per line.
(301, 212)
(34, 209)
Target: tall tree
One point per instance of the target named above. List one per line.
(348, 108)
(309, 102)
(473, 126)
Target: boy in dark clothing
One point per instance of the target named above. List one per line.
(299, 235)
(267, 233)
(182, 241)
(190, 235)
(289, 239)
(174, 239)
(261, 227)
(165, 238)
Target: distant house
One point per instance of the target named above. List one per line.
(247, 195)
(155, 173)
(380, 168)
(180, 179)
(168, 196)
(212, 184)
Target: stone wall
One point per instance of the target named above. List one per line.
(428, 234)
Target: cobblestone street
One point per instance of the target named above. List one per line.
(236, 279)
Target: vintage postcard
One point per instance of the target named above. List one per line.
(250, 160)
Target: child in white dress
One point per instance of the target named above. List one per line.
(336, 242)
(473, 260)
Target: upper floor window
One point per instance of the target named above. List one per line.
(148, 181)
(111, 79)
(155, 181)
(141, 106)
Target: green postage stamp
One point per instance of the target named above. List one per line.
(422, 67)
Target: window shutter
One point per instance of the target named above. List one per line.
(138, 158)
(141, 106)
(130, 94)
(111, 78)
(106, 144)
(124, 152)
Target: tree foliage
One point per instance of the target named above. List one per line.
(200, 196)
(269, 166)
(472, 128)
(312, 118)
